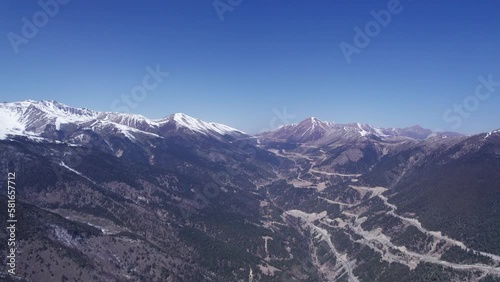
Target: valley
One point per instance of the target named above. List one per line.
(353, 212)
(118, 197)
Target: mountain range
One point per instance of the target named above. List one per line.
(109, 196)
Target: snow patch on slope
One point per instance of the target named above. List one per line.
(30, 118)
(10, 124)
(197, 125)
(491, 133)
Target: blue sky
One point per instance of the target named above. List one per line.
(263, 55)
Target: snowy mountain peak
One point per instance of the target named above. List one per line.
(197, 125)
(31, 117)
(312, 120)
(35, 119)
(309, 129)
(180, 115)
(492, 133)
(315, 124)
(314, 130)
(183, 119)
(316, 121)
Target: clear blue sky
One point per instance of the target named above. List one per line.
(265, 54)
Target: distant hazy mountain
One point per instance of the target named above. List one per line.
(313, 130)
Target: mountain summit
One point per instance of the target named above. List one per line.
(112, 196)
(56, 121)
(41, 119)
(314, 130)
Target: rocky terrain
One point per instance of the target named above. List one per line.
(120, 197)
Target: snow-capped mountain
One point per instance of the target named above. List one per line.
(492, 133)
(31, 117)
(317, 209)
(307, 130)
(313, 130)
(53, 120)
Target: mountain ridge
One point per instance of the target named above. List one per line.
(31, 117)
(181, 200)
